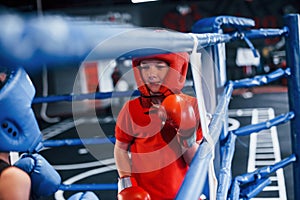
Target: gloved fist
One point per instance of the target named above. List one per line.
(129, 190)
(44, 178)
(179, 110)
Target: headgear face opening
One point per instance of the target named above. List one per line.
(175, 79)
(19, 130)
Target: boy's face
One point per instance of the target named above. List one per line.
(153, 72)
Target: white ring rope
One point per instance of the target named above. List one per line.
(195, 59)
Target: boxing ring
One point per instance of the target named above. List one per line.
(79, 39)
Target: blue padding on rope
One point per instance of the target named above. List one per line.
(78, 41)
(254, 189)
(88, 187)
(261, 79)
(50, 39)
(261, 173)
(227, 152)
(194, 180)
(214, 24)
(228, 147)
(76, 142)
(216, 124)
(265, 33)
(246, 130)
(261, 33)
(250, 191)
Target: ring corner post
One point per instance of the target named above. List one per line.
(292, 22)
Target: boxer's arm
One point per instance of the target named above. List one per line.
(127, 186)
(14, 184)
(190, 152)
(122, 158)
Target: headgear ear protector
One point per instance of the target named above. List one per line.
(19, 130)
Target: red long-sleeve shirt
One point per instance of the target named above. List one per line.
(157, 159)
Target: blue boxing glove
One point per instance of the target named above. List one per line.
(84, 196)
(44, 178)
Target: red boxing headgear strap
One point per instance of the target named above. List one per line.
(175, 79)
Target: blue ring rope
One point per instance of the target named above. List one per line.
(80, 97)
(87, 187)
(77, 142)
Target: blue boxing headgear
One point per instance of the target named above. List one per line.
(19, 130)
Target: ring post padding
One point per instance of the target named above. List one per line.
(292, 22)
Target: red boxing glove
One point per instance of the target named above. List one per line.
(129, 190)
(180, 111)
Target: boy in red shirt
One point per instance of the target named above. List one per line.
(158, 133)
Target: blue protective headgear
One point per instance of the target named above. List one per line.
(19, 130)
